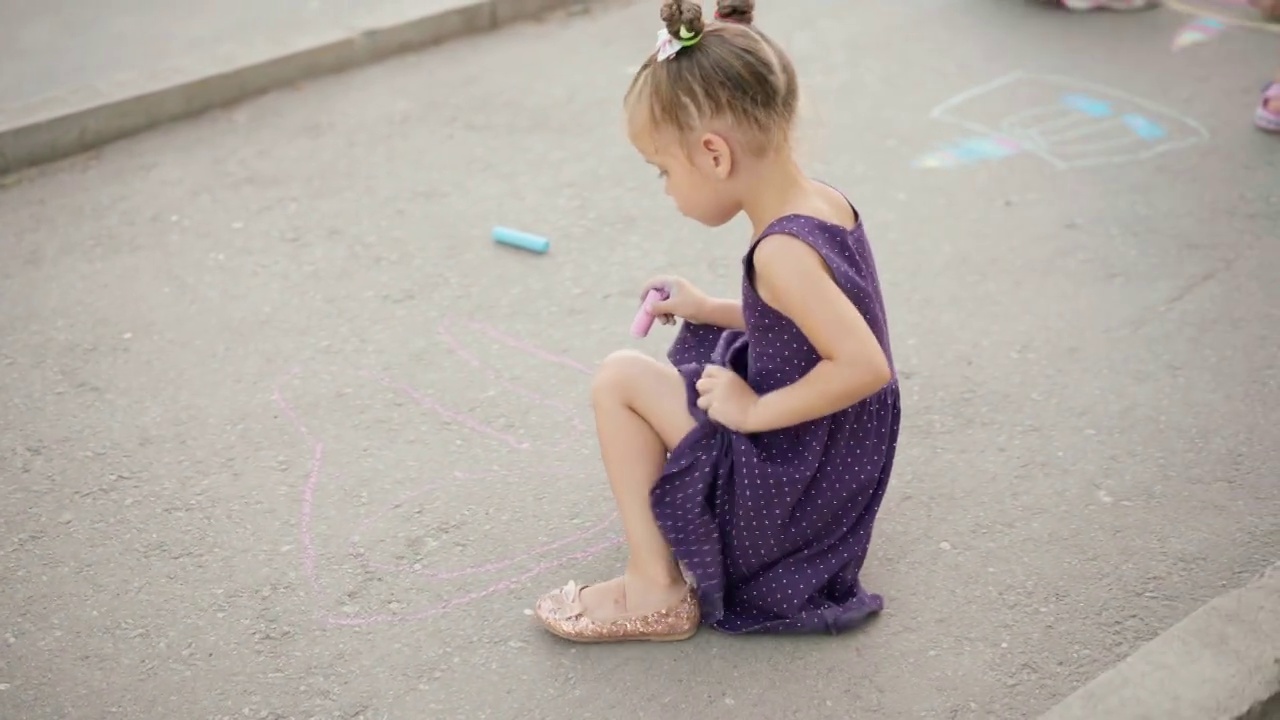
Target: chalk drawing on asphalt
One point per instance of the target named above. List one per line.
(439, 589)
(1229, 13)
(1068, 123)
(1197, 32)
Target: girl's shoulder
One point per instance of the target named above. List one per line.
(825, 212)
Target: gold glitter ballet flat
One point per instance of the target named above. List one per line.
(562, 613)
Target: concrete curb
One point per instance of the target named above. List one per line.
(57, 127)
(1221, 663)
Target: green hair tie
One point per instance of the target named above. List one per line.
(688, 39)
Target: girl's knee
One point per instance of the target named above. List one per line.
(620, 373)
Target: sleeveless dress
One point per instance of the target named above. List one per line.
(773, 528)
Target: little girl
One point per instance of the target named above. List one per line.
(748, 472)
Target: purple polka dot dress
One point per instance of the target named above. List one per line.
(773, 527)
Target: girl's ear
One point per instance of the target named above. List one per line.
(718, 155)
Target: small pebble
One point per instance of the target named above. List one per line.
(944, 545)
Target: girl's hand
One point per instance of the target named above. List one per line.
(683, 300)
(727, 398)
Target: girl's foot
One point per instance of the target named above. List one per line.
(1118, 5)
(1267, 116)
(608, 613)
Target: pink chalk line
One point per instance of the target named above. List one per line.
(460, 418)
(474, 361)
(526, 347)
(309, 555)
(415, 568)
(467, 421)
(509, 584)
(308, 489)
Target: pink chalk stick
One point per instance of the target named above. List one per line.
(644, 320)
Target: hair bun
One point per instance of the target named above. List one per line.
(679, 14)
(738, 11)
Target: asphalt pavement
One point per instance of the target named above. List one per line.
(285, 435)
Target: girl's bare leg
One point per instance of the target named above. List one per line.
(641, 414)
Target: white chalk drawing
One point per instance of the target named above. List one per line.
(1231, 13)
(1212, 18)
(1197, 32)
(1068, 123)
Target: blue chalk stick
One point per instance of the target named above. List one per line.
(522, 240)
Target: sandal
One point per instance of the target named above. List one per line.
(1265, 118)
(561, 612)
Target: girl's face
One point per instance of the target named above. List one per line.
(697, 176)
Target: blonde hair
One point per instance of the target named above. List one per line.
(733, 72)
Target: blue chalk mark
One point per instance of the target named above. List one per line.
(522, 240)
(1092, 107)
(1144, 127)
(981, 148)
(968, 151)
(1209, 23)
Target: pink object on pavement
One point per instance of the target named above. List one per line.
(1263, 117)
(1119, 5)
(644, 319)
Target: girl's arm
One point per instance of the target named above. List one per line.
(722, 313)
(794, 279)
